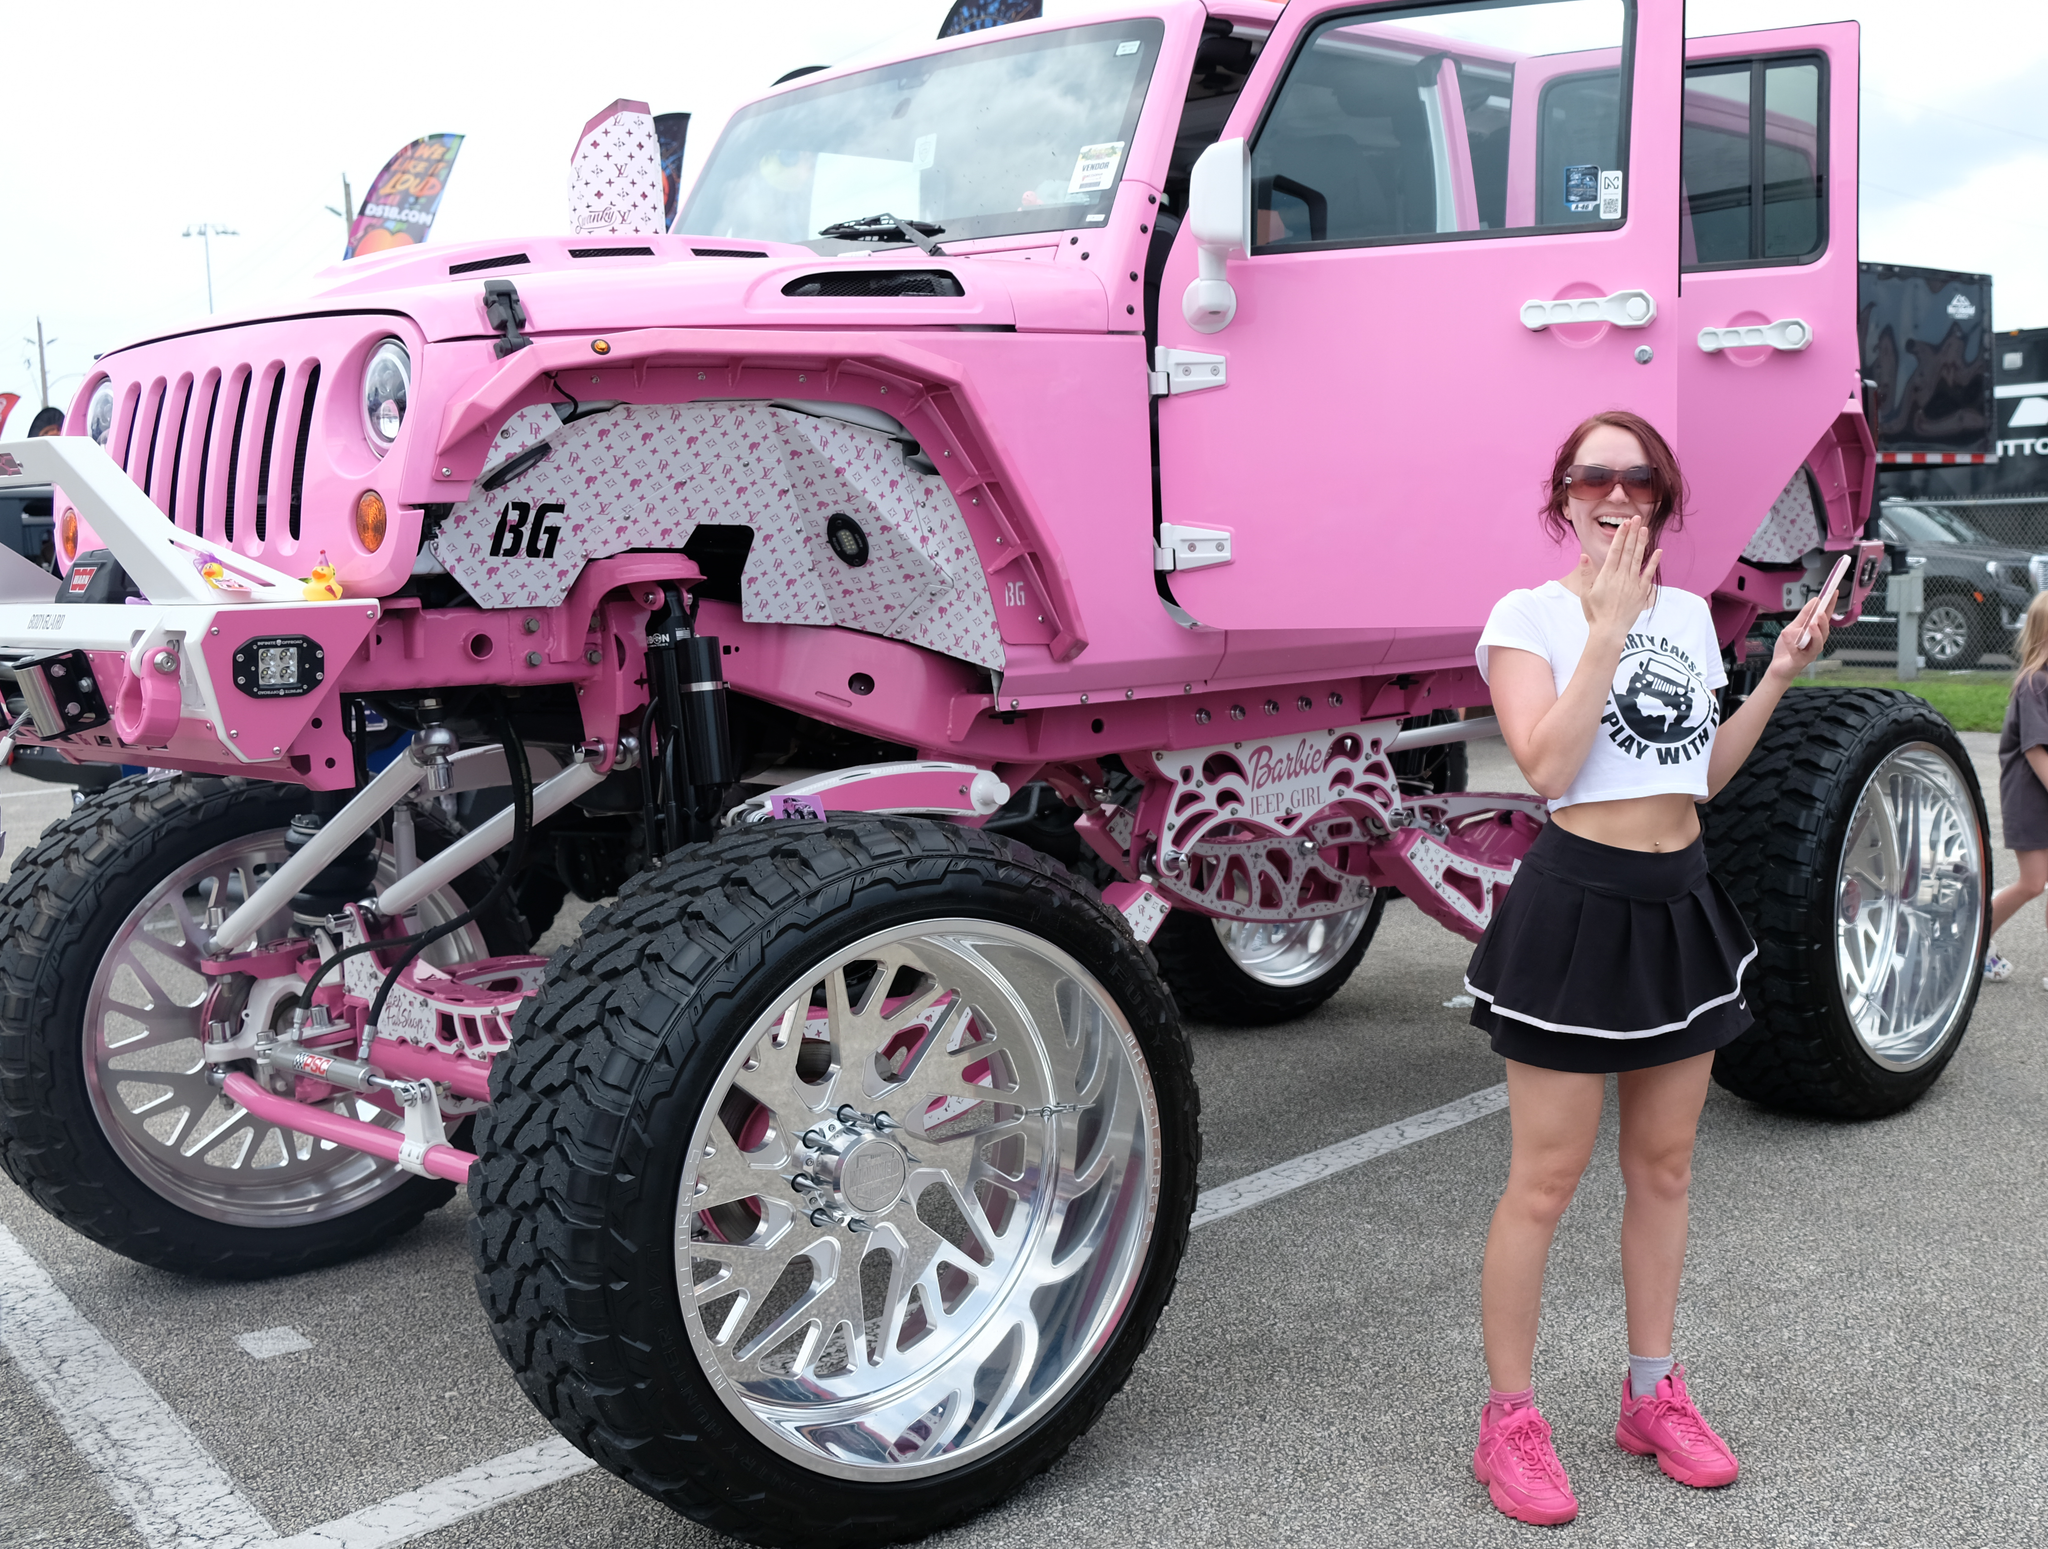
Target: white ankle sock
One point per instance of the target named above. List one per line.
(1646, 1371)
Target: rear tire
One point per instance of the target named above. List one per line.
(1256, 974)
(1868, 959)
(650, 1244)
(1253, 974)
(90, 1074)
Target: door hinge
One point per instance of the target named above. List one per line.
(1190, 548)
(1186, 371)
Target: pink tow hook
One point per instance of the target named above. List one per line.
(441, 1161)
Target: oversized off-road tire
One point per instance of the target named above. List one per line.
(837, 1177)
(107, 1116)
(1257, 973)
(1854, 842)
(1253, 973)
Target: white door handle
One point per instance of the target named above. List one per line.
(1624, 309)
(1790, 333)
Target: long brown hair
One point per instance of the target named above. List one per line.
(2032, 649)
(1672, 496)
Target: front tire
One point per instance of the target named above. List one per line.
(1854, 842)
(837, 1178)
(107, 1118)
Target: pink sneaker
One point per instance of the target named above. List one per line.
(1668, 1425)
(1519, 1468)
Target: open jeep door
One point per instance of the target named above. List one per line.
(1463, 239)
(1767, 259)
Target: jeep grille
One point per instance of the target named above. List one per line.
(220, 433)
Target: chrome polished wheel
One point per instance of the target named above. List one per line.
(919, 1197)
(1291, 952)
(1909, 902)
(145, 1018)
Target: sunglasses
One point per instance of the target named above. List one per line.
(1592, 480)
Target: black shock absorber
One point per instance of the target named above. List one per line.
(692, 763)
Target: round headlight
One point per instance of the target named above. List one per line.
(99, 413)
(387, 383)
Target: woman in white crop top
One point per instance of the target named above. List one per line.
(1615, 950)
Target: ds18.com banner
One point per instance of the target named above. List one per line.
(399, 208)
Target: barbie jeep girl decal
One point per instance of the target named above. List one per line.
(1660, 702)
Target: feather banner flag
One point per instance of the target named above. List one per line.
(399, 208)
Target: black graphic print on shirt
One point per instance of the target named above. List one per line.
(1660, 702)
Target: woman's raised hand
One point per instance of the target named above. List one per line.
(1616, 592)
(1810, 626)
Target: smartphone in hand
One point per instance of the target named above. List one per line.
(1834, 582)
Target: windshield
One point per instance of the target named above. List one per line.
(1017, 134)
(1931, 524)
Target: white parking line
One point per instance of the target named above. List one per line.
(153, 1467)
(181, 1498)
(446, 1500)
(1227, 1199)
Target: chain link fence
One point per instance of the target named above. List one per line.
(2015, 521)
(1975, 594)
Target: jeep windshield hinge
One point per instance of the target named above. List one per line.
(1186, 371)
(1190, 548)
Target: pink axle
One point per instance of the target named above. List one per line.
(440, 1161)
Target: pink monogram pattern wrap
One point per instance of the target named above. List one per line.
(647, 476)
(615, 175)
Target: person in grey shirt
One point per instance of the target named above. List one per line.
(2023, 778)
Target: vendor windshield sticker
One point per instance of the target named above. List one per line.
(1130, 47)
(1660, 701)
(923, 151)
(1610, 196)
(1095, 168)
(1582, 189)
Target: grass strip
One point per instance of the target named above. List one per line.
(1969, 701)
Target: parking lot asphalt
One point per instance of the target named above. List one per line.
(1863, 1318)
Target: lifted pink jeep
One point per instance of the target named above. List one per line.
(1042, 504)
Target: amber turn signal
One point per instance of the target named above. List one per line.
(601, 346)
(371, 519)
(67, 535)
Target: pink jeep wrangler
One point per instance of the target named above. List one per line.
(1041, 502)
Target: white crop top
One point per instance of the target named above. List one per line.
(1658, 729)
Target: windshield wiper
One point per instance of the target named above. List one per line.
(879, 228)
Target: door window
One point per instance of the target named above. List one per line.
(1755, 162)
(1445, 122)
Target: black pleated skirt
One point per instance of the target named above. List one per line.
(1602, 959)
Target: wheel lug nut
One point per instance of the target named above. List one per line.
(814, 1139)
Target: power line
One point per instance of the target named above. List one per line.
(1981, 123)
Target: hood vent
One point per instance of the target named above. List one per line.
(876, 282)
(503, 261)
(726, 252)
(611, 252)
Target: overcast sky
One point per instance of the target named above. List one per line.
(127, 123)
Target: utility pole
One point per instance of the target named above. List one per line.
(42, 358)
(205, 233)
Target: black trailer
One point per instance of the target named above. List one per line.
(1926, 344)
